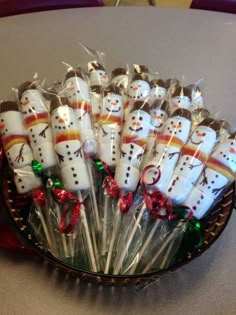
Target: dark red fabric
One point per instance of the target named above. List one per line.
(228, 6)
(12, 7)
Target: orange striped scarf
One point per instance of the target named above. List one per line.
(9, 141)
(196, 153)
(37, 118)
(84, 105)
(221, 168)
(68, 135)
(110, 119)
(170, 141)
(135, 139)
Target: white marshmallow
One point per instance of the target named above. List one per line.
(75, 176)
(12, 124)
(126, 176)
(45, 154)
(39, 134)
(19, 155)
(109, 153)
(25, 180)
(98, 77)
(32, 102)
(68, 152)
(76, 89)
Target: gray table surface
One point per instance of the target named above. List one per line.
(174, 42)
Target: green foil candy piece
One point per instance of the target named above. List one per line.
(37, 168)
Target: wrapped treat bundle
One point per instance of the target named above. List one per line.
(121, 167)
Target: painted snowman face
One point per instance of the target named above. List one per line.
(157, 93)
(76, 89)
(11, 124)
(180, 102)
(32, 102)
(178, 126)
(138, 90)
(203, 138)
(63, 119)
(159, 116)
(99, 77)
(226, 153)
(112, 105)
(138, 124)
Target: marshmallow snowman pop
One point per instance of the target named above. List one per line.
(138, 89)
(20, 156)
(97, 74)
(37, 122)
(218, 173)
(73, 169)
(192, 160)
(158, 90)
(109, 139)
(166, 154)
(180, 98)
(159, 114)
(127, 172)
(78, 93)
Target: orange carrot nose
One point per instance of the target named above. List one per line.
(177, 126)
(113, 103)
(104, 76)
(200, 134)
(62, 120)
(232, 150)
(26, 102)
(158, 117)
(2, 126)
(136, 123)
(71, 88)
(135, 88)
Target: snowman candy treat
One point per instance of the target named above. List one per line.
(68, 146)
(138, 89)
(196, 95)
(16, 147)
(193, 158)
(133, 146)
(180, 98)
(219, 172)
(97, 74)
(158, 90)
(111, 118)
(78, 93)
(37, 121)
(168, 147)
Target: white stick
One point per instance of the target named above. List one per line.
(63, 238)
(94, 199)
(104, 227)
(163, 246)
(145, 246)
(135, 227)
(167, 255)
(115, 231)
(87, 235)
(45, 229)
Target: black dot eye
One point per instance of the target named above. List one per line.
(57, 117)
(100, 73)
(140, 118)
(232, 143)
(162, 115)
(26, 98)
(109, 101)
(171, 122)
(117, 101)
(133, 117)
(203, 134)
(131, 86)
(179, 101)
(78, 91)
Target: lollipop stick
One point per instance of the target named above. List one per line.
(135, 227)
(87, 236)
(145, 246)
(163, 246)
(115, 231)
(104, 228)
(63, 238)
(44, 226)
(167, 255)
(94, 199)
